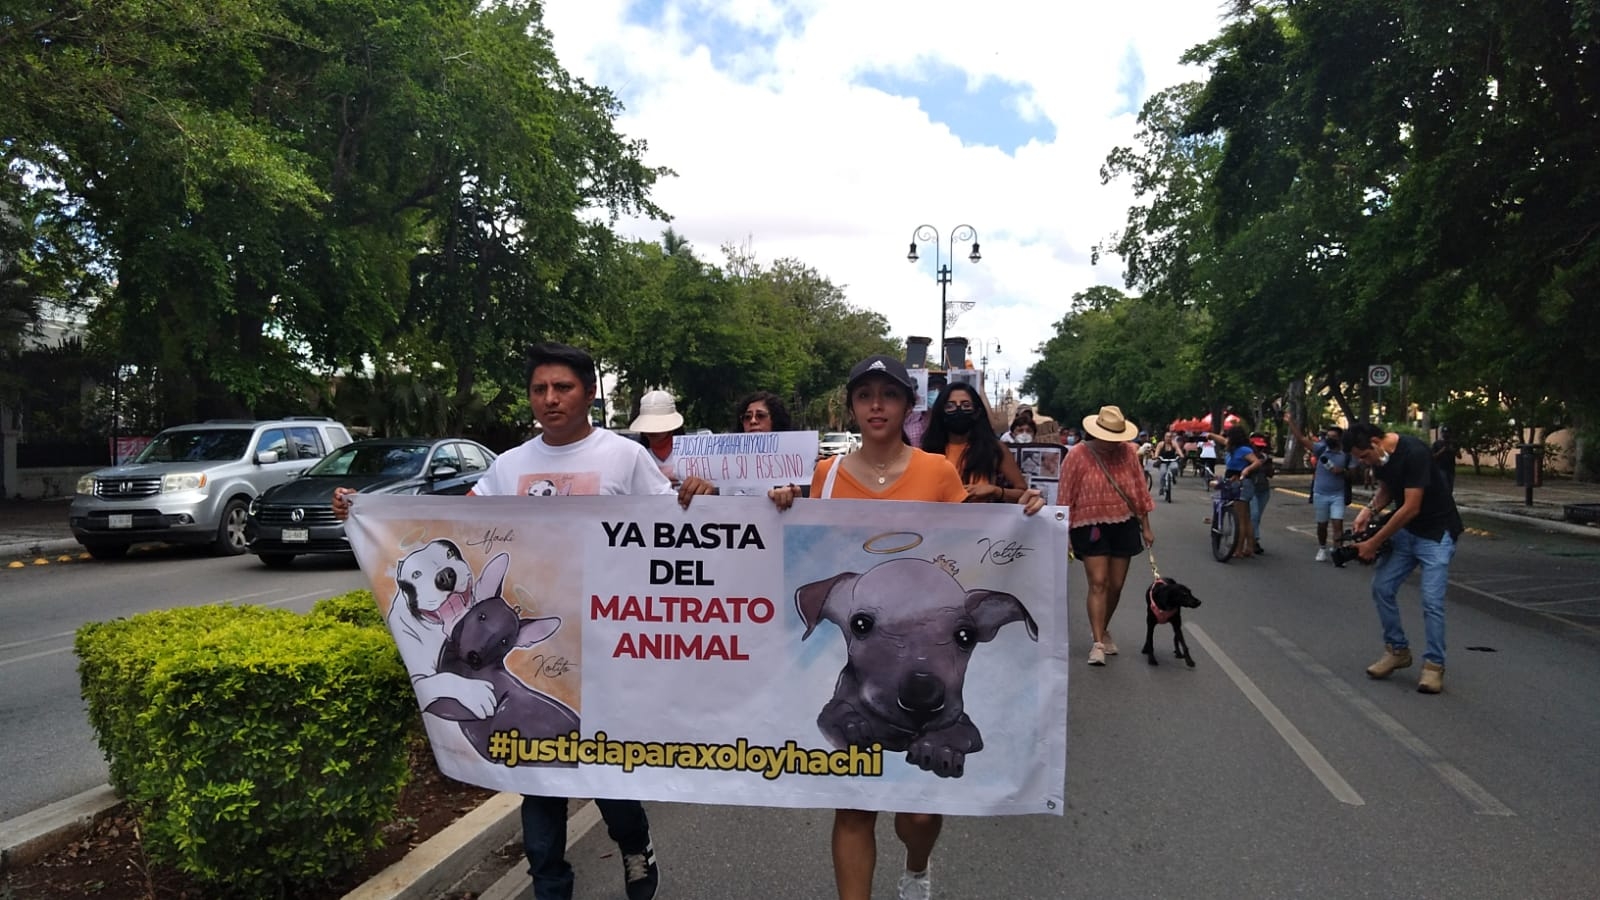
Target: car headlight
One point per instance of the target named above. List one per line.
(254, 508)
(183, 481)
(86, 484)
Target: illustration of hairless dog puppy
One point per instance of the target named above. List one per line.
(909, 629)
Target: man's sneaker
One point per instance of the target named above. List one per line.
(915, 886)
(1322, 554)
(1392, 658)
(640, 874)
(1432, 681)
(1097, 654)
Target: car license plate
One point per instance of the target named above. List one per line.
(296, 535)
(120, 520)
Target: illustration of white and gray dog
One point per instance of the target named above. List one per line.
(434, 588)
(910, 629)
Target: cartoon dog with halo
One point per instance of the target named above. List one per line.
(910, 629)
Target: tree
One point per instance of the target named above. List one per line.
(275, 182)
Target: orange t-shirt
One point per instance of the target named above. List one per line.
(927, 477)
(956, 453)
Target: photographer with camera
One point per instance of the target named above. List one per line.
(1422, 532)
(1329, 485)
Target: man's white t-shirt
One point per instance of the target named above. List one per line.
(602, 463)
(1208, 449)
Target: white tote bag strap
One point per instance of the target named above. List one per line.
(827, 482)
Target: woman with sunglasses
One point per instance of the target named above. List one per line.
(761, 411)
(960, 430)
(880, 394)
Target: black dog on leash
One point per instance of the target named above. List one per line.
(1164, 603)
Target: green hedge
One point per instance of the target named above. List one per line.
(262, 749)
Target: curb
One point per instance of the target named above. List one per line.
(435, 865)
(430, 869)
(49, 828)
(39, 549)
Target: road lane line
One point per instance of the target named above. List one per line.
(1483, 802)
(38, 640)
(1563, 618)
(41, 653)
(319, 593)
(1297, 741)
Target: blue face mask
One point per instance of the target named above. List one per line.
(1071, 441)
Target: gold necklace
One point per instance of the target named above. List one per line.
(883, 468)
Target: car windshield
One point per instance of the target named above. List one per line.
(196, 445)
(393, 460)
(836, 437)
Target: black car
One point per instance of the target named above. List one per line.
(297, 516)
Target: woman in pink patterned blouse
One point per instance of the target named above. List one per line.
(1103, 485)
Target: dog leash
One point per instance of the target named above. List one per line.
(1154, 573)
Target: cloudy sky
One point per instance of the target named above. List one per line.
(828, 130)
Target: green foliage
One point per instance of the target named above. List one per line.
(1363, 181)
(713, 334)
(356, 607)
(1134, 352)
(263, 749)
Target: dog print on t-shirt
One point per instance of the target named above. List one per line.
(558, 484)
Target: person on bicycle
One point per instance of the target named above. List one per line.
(1169, 456)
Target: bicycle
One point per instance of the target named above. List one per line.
(1224, 525)
(1168, 476)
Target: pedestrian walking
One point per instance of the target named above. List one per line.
(880, 394)
(1110, 514)
(570, 451)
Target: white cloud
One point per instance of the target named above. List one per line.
(777, 144)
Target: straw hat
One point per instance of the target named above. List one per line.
(1109, 425)
(658, 414)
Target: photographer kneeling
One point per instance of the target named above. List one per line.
(1422, 532)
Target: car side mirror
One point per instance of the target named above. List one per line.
(266, 457)
(444, 471)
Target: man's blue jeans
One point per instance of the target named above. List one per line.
(1409, 552)
(544, 839)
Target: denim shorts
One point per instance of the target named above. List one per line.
(1329, 506)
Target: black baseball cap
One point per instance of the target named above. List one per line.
(887, 366)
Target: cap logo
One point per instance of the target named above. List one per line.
(877, 364)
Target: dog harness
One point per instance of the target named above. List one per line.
(1162, 616)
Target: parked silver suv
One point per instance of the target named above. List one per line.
(194, 483)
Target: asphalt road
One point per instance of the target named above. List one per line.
(1273, 768)
(47, 749)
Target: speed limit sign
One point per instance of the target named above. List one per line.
(1379, 375)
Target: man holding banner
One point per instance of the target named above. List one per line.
(571, 457)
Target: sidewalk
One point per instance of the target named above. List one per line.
(35, 532)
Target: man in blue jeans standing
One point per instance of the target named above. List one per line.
(1422, 532)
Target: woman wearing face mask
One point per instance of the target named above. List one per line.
(1022, 430)
(960, 430)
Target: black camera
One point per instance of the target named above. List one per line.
(1346, 552)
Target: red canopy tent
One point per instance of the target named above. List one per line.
(1203, 423)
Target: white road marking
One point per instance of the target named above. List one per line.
(41, 653)
(38, 640)
(319, 593)
(1483, 802)
(1551, 586)
(1297, 741)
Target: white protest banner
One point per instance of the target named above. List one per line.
(874, 655)
(751, 463)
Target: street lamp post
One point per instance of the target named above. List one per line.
(925, 234)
